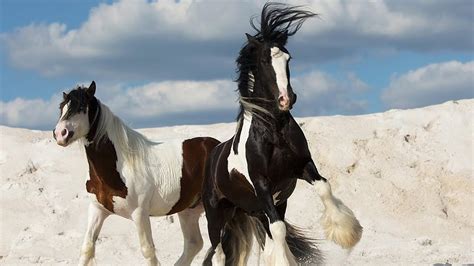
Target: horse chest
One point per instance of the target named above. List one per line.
(104, 179)
(239, 161)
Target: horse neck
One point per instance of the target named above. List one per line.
(98, 153)
(274, 121)
(94, 116)
(99, 150)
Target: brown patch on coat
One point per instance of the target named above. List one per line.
(196, 151)
(105, 182)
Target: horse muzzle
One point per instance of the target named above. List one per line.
(63, 136)
(284, 103)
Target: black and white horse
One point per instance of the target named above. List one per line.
(132, 176)
(250, 177)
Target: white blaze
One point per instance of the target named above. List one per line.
(64, 110)
(279, 61)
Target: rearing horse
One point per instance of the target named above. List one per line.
(132, 176)
(251, 176)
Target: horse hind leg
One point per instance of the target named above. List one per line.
(142, 222)
(215, 255)
(193, 243)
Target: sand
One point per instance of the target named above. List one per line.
(406, 174)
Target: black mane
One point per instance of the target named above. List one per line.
(279, 21)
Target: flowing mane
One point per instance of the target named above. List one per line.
(279, 21)
(130, 143)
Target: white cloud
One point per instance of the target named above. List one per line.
(183, 102)
(151, 102)
(35, 113)
(158, 99)
(431, 84)
(200, 39)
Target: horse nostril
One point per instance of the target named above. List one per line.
(282, 100)
(64, 132)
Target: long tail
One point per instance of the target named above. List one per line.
(237, 239)
(339, 222)
(304, 249)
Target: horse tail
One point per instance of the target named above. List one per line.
(237, 239)
(339, 222)
(304, 248)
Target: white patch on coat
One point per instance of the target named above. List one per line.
(279, 62)
(161, 184)
(239, 161)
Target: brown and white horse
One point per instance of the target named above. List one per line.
(132, 176)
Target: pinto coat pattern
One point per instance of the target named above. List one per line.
(132, 176)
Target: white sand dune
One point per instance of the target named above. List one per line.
(408, 176)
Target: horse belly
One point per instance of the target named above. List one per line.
(161, 206)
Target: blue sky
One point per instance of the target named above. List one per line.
(172, 62)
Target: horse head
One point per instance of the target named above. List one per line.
(79, 111)
(263, 62)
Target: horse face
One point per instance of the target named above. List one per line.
(280, 63)
(273, 66)
(74, 121)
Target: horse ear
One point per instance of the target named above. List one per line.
(252, 40)
(91, 90)
(64, 95)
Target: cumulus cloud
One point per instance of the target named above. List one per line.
(431, 84)
(153, 104)
(160, 40)
(32, 113)
(192, 102)
(160, 99)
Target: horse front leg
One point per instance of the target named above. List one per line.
(96, 217)
(276, 250)
(339, 222)
(142, 222)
